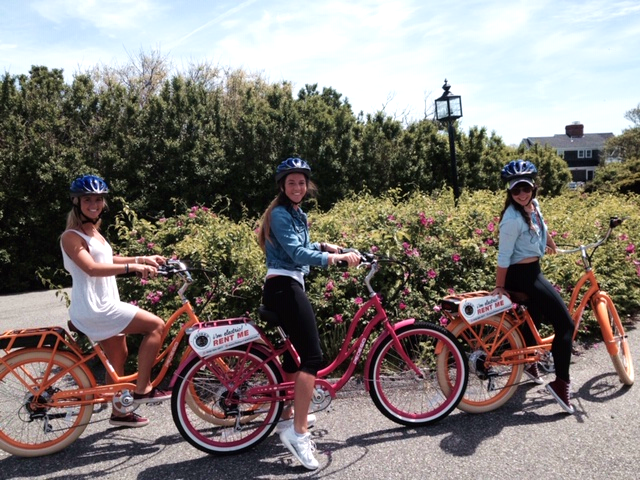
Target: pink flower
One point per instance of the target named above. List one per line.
(239, 281)
(491, 226)
(631, 248)
(150, 245)
(437, 308)
(479, 231)
(623, 237)
(455, 257)
(330, 286)
(374, 249)
(346, 275)
(192, 215)
(391, 217)
(432, 273)
(565, 235)
(489, 241)
(402, 306)
(444, 321)
(154, 297)
(553, 233)
(337, 318)
(358, 301)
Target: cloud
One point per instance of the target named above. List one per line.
(114, 14)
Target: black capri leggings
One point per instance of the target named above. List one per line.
(285, 296)
(545, 300)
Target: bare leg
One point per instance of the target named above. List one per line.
(115, 348)
(150, 326)
(303, 392)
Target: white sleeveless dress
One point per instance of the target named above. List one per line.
(96, 309)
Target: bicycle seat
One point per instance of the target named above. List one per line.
(518, 297)
(271, 318)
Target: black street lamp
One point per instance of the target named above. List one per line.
(448, 109)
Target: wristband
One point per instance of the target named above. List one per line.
(499, 286)
(126, 268)
(323, 247)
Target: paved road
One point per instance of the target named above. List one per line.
(529, 438)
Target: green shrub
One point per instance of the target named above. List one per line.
(448, 248)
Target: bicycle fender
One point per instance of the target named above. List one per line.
(189, 358)
(178, 373)
(380, 339)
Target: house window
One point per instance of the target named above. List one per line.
(580, 153)
(584, 154)
(587, 153)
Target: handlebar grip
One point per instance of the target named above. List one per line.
(342, 263)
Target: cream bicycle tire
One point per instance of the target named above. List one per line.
(30, 428)
(479, 397)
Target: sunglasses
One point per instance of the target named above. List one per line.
(526, 188)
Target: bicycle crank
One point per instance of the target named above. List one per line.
(320, 400)
(123, 402)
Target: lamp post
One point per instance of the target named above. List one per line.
(448, 109)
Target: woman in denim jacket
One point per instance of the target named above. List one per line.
(524, 239)
(284, 237)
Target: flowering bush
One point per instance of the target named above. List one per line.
(448, 248)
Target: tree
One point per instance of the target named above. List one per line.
(627, 145)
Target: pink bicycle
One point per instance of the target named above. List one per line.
(235, 374)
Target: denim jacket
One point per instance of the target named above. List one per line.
(288, 246)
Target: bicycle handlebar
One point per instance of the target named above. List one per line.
(613, 223)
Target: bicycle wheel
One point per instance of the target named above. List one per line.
(29, 426)
(399, 392)
(239, 425)
(489, 387)
(202, 409)
(608, 318)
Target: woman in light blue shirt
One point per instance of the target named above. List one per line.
(284, 237)
(524, 239)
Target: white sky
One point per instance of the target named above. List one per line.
(523, 68)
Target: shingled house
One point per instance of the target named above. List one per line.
(581, 151)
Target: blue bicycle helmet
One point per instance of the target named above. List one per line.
(88, 185)
(292, 165)
(519, 171)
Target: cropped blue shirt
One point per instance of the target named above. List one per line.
(288, 246)
(517, 240)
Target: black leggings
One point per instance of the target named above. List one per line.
(286, 297)
(545, 300)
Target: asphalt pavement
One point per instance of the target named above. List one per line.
(529, 438)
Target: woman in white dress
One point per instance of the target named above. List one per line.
(96, 309)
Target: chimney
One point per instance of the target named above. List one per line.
(575, 130)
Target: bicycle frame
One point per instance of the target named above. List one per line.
(58, 340)
(350, 350)
(517, 316)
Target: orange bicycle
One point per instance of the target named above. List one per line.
(488, 327)
(48, 391)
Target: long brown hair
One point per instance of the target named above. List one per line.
(510, 201)
(264, 228)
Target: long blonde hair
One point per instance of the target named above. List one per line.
(264, 229)
(74, 217)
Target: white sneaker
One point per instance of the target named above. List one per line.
(301, 446)
(284, 424)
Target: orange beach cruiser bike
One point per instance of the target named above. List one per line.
(488, 327)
